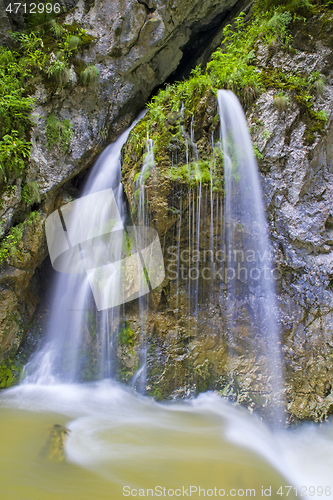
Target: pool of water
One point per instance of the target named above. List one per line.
(123, 445)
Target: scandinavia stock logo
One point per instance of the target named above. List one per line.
(88, 236)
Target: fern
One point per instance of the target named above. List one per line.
(13, 152)
(30, 193)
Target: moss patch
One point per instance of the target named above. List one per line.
(10, 372)
(126, 335)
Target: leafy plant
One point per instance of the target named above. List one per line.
(257, 153)
(32, 46)
(15, 107)
(10, 372)
(59, 71)
(126, 334)
(280, 101)
(30, 193)
(13, 152)
(58, 132)
(89, 75)
(56, 29)
(320, 86)
(321, 115)
(73, 42)
(9, 246)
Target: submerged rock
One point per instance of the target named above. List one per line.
(54, 448)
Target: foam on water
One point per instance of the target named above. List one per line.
(111, 425)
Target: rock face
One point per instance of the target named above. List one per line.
(297, 182)
(189, 353)
(4, 24)
(137, 46)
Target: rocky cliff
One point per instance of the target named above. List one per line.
(135, 46)
(190, 353)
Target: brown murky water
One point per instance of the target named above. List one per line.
(122, 445)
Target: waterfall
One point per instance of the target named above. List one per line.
(141, 203)
(216, 218)
(80, 341)
(249, 279)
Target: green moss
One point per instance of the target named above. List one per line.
(10, 372)
(87, 39)
(300, 8)
(126, 335)
(89, 75)
(193, 174)
(156, 394)
(38, 49)
(257, 153)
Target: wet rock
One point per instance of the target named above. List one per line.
(54, 448)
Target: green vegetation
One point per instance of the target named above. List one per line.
(15, 108)
(52, 48)
(126, 335)
(193, 174)
(10, 372)
(13, 151)
(232, 66)
(235, 66)
(257, 153)
(89, 75)
(11, 246)
(58, 132)
(30, 193)
(59, 71)
(46, 48)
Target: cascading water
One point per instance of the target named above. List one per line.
(248, 273)
(141, 201)
(80, 340)
(223, 226)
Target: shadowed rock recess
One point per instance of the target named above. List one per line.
(137, 46)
